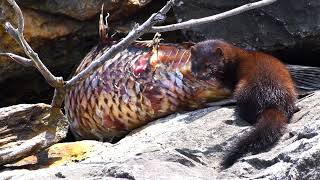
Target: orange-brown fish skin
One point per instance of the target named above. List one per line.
(138, 85)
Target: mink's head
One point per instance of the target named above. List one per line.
(207, 59)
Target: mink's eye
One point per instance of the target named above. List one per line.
(207, 66)
(207, 63)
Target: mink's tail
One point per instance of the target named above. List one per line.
(268, 130)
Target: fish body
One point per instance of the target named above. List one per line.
(138, 85)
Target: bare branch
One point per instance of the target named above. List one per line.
(19, 59)
(197, 22)
(147, 26)
(103, 27)
(19, 14)
(17, 34)
(124, 43)
(58, 97)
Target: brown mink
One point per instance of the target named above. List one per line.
(262, 87)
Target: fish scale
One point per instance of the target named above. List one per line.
(138, 85)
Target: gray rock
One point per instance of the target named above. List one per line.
(286, 23)
(61, 32)
(84, 9)
(190, 145)
(27, 129)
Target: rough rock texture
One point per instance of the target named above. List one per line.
(190, 146)
(84, 9)
(279, 26)
(27, 128)
(53, 20)
(62, 32)
(40, 29)
(60, 154)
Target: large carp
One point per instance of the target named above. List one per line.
(138, 85)
(143, 83)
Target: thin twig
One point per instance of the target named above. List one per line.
(17, 34)
(58, 98)
(19, 59)
(124, 43)
(197, 22)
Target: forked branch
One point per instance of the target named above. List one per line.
(17, 34)
(19, 59)
(138, 31)
(133, 35)
(197, 22)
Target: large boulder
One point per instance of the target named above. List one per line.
(186, 146)
(62, 32)
(40, 28)
(27, 129)
(84, 9)
(286, 25)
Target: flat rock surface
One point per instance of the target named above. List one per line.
(190, 146)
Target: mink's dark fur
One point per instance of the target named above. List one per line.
(262, 86)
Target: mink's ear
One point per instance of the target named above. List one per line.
(219, 52)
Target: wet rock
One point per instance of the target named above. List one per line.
(190, 145)
(282, 25)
